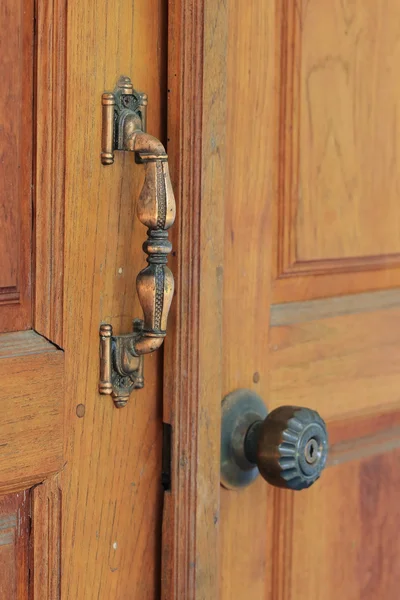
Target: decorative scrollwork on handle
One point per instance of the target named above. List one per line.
(121, 357)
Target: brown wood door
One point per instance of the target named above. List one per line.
(293, 287)
(80, 481)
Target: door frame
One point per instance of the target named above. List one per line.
(197, 39)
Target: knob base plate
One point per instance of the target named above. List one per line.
(240, 409)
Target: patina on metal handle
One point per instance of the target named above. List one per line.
(287, 446)
(121, 357)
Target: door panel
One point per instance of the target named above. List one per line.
(336, 209)
(31, 400)
(311, 248)
(341, 364)
(16, 177)
(338, 83)
(90, 474)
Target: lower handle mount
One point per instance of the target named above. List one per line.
(121, 371)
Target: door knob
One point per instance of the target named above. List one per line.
(288, 446)
(124, 128)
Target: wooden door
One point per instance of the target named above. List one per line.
(31, 360)
(80, 481)
(291, 265)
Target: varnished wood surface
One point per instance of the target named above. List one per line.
(31, 407)
(337, 139)
(20, 343)
(344, 365)
(31, 367)
(196, 123)
(348, 145)
(45, 540)
(111, 482)
(246, 294)
(50, 163)
(14, 546)
(313, 310)
(16, 140)
(344, 541)
(341, 357)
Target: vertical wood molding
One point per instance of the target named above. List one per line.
(14, 545)
(50, 107)
(45, 579)
(16, 73)
(280, 540)
(193, 353)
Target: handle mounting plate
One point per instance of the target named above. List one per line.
(122, 101)
(121, 371)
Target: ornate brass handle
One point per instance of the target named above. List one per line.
(121, 357)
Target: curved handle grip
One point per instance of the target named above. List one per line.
(121, 357)
(156, 210)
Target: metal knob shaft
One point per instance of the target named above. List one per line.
(288, 446)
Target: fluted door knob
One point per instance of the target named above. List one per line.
(288, 446)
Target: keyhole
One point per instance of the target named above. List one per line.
(312, 451)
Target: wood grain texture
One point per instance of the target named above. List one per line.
(14, 546)
(276, 544)
(45, 540)
(50, 101)
(339, 366)
(348, 154)
(20, 343)
(335, 66)
(356, 551)
(329, 524)
(16, 131)
(246, 296)
(313, 310)
(112, 479)
(192, 386)
(31, 406)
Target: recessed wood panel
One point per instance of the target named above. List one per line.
(349, 132)
(343, 540)
(337, 210)
(14, 546)
(16, 137)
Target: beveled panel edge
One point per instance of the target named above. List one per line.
(346, 264)
(21, 343)
(364, 447)
(291, 313)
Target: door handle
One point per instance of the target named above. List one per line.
(288, 446)
(124, 128)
